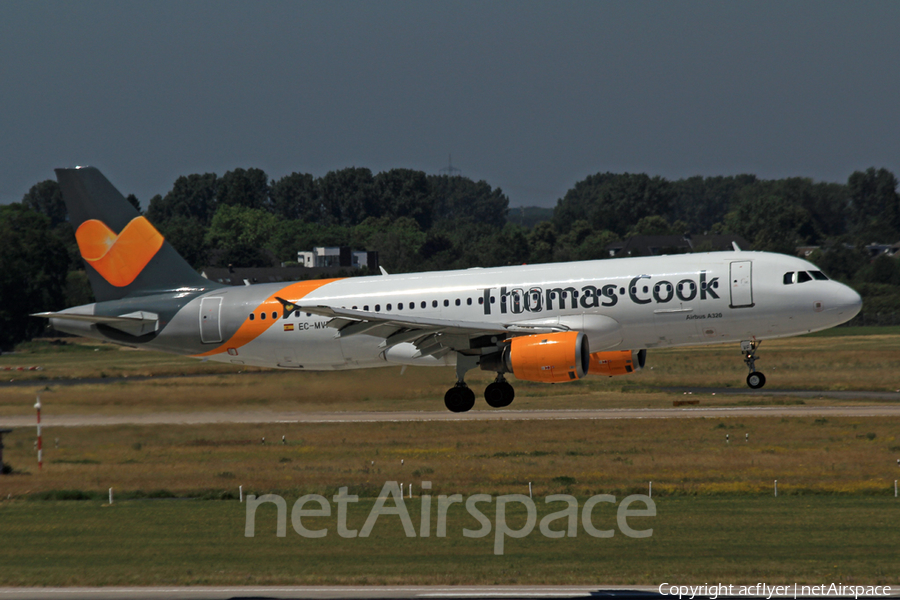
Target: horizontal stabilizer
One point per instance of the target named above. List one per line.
(136, 323)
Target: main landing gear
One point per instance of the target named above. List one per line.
(460, 398)
(499, 393)
(755, 379)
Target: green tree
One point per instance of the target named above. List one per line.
(244, 187)
(840, 262)
(459, 201)
(296, 196)
(700, 202)
(875, 205)
(773, 221)
(33, 267)
(348, 197)
(613, 202)
(542, 242)
(403, 193)
(192, 197)
(398, 242)
(238, 236)
(46, 198)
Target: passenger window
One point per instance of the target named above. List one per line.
(819, 275)
(274, 315)
(366, 308)
(434, 304)
(297, 314)
(446, 303)
(424, 304)
(412, 305)
(388, 308)
(377, 308)
(492, 300)
(469, 301)
(252, 316)
(399, 306)
(262, 316)
(803, 277)
(457, 301)
(481, 300)
(354, 308)
(789, 278)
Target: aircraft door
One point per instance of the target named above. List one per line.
(741, 284)
(210, 309)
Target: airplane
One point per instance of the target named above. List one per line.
(549, 323)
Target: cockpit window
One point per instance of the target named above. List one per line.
(803, 277)
(789, 278)
(819, 275)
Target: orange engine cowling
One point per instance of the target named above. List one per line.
(618, 362)
(549, 358)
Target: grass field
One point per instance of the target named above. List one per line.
(684, 456)
(860, 362)
(695, 540)
(835, 518)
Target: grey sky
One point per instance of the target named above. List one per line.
(528, 96)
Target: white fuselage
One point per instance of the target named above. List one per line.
(621, 304)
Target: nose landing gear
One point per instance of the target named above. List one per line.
(755, 379)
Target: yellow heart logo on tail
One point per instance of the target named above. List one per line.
(118, 258)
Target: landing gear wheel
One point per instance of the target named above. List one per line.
(499, 394)
(459, 399)
(756, 380)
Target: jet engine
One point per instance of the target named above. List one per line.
(548, 358)
(617, 362)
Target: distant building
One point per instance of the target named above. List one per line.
(254, 275)
(656, 245)
(338, 256)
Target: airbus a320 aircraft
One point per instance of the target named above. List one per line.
(550, 323)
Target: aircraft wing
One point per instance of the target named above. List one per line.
(432, 337)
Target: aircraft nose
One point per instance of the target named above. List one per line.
(847, 302)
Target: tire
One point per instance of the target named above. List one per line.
(459, 399)
(756, 380)
(499, 394)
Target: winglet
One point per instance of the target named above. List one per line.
(383, 272)
(736, 247)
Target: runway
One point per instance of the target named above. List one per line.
(303, 592)
(264, 416)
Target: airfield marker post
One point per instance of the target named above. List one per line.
(650, 494)
(895, 488)
(241, 492)
(776, 488)
(40, 451)
(110, 496)
(529, 489)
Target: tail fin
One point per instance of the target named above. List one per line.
(124, 255)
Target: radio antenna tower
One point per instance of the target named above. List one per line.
(450, 169)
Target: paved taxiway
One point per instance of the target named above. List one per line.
(264, 416)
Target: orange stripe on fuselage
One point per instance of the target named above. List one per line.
(250, 330)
